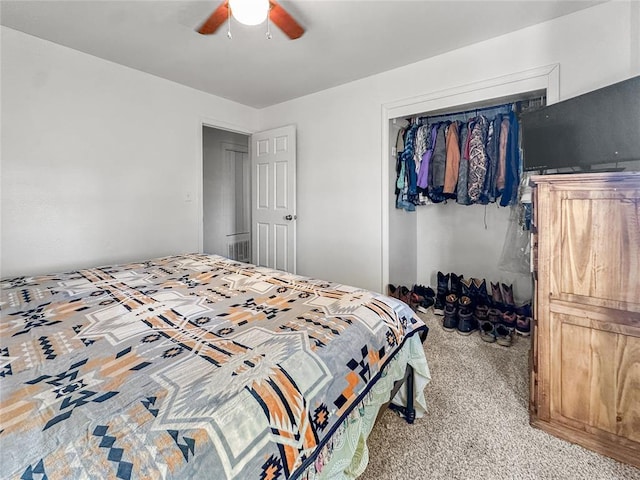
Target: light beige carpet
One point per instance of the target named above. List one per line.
(477, 426)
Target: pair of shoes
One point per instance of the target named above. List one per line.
(403, 294)
(502, 297)
(426, 297)
(496, 326)
(458, 315)
(476, 289)
(449, 283)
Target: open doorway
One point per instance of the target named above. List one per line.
(226, 194)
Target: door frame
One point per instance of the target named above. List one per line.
(541, 78)
(220, 125)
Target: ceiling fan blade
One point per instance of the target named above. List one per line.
(217, 18)
(284, 21)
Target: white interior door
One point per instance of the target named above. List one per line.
(273, 195)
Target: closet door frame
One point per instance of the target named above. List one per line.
(542, 78)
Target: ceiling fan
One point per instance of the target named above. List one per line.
(276, 13)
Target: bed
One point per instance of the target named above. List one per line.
(196, 366)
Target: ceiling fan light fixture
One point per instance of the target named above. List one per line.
(249, 12)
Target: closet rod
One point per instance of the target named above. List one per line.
(507, 107)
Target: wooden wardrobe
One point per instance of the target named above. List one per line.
(585, 355)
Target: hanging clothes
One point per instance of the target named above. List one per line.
(473, 160)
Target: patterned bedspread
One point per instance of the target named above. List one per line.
(190, 366)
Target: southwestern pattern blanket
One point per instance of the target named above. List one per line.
(190, 366)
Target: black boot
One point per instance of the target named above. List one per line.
(456, 284)
(441, 293)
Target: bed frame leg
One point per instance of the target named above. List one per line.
(408, 412)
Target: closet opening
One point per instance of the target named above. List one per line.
(226, 193)
(460, 228)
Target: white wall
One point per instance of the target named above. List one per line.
(458, 242)
(339, 130)
(220, 189)
(100, 163)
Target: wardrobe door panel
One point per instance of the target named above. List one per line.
(584, 385)
(599, 255)
(596, 376)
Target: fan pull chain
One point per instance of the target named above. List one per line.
(268, 26)
(229, 23)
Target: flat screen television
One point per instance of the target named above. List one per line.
(594, 131)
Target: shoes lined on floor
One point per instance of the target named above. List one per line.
(467, 305)
(470, 304)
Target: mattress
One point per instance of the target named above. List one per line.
(190, 366)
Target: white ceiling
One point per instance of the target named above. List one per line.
(344, 40)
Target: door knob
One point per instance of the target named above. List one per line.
(290, 217)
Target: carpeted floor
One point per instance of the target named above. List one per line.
(477, 426)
